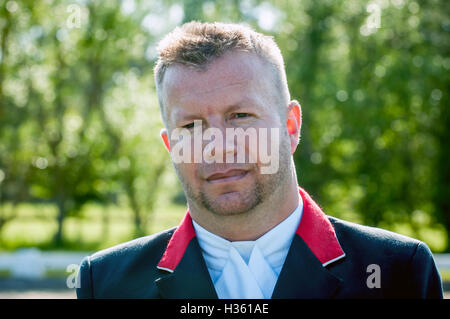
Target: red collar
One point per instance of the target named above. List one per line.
(317, 232)
(315, 229)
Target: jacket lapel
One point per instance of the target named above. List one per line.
(314, 246)
(183, 269)
(304, 276)
(190, 279)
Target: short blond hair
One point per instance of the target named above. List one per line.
(196, 44)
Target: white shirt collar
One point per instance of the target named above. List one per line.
(274, 245)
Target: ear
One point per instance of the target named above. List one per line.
(165, 139)
(294, 123)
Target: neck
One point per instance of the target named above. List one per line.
(255, 223)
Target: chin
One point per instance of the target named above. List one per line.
(232, 203)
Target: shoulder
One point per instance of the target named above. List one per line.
(374, 243)
(123, 270)
(373, 240)
(149, 245)
(406, 264)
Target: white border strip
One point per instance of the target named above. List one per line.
(333, 260)
(166, 269)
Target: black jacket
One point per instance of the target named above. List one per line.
(328, 258)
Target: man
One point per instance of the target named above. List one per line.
(247, 234)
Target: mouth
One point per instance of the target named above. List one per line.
(228, 176)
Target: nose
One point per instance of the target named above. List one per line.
(217, 147)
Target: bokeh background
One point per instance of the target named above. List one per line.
(82, 166)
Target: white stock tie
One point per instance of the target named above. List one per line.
(239, 280)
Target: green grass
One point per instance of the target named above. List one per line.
(56, 273)
(35, 226)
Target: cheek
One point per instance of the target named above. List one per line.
(188, 173)
(267, 146)
(185, 169)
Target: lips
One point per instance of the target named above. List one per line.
(228, 176)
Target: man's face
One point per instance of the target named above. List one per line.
(235, 91)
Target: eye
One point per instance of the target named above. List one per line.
(241, 115)
(188, 126)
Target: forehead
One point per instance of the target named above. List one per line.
(231, 68)
(233, 77)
